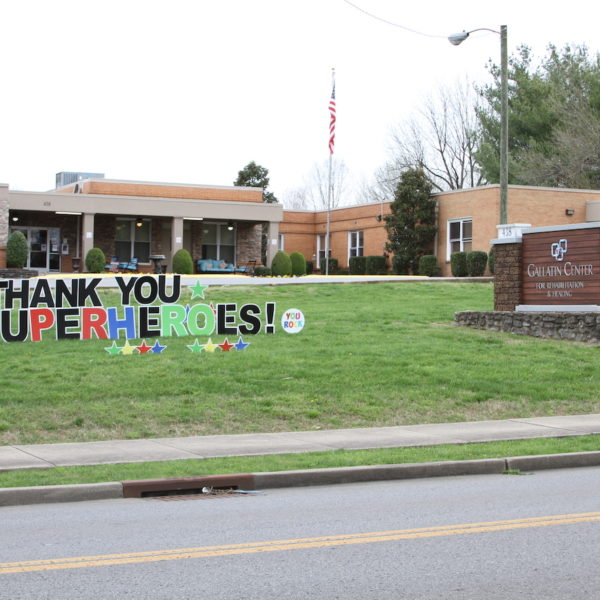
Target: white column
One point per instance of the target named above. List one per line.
(272, 237)
(87, 234)
(176, 240)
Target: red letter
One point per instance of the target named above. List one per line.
(40, 319)
(93, 319)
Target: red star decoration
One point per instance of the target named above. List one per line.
(225, 346)
(143, 348)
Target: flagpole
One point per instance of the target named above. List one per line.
(332, 111)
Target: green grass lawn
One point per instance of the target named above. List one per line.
(369, 355)
(287, 462)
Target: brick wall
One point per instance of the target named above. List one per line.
(300, 229)
(115, 188)
(507, 276)
(540, 207)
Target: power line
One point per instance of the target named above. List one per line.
(392, 24)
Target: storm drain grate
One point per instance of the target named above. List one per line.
(211, 485)
(204, 492)
(193, 495)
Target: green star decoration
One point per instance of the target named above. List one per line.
(197, 290)
(195, 347)
(114, 349)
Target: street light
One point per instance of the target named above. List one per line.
(458, 38)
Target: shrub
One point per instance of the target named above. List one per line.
(310, 267)
(476, 262)
(358, 265)
(282, 264)
(428, 265)
(298, 263)
(375, 265)
(400, 265)
(458, 264)
(95, 261)
(261, 271)
(343, 272)
(17, 250)
(182, 262)
(491, 257)
(333, 266)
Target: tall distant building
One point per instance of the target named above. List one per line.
(67, 177)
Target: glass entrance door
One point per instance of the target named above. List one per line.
(44, 247)
(38, 248)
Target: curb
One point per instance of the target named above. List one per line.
(282, 479)
(60, 493)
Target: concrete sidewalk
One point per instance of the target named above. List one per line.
(42, 456)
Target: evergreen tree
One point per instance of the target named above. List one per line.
(553, 120)
(411, 226)
(253, 175)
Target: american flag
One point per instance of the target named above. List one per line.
(332, 120)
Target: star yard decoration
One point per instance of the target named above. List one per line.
(143, 348)
(114, 349)
(209, 346)
(241, 345)
(195, 347)
(197, 290)
(127, 349)
(157, 348)
(225, 346)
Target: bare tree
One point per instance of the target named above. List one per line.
(441, 140)
(295, 199)
(313, 194)
(317, 185)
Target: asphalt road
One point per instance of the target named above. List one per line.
(497, 536)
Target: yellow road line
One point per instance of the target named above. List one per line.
(293, 544)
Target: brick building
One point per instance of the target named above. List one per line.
(127, 219)
(136, 219)
(467, 220)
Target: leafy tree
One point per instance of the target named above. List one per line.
(253, 175)
(554, 115)
(411, 226)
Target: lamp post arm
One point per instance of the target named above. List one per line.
(486, 29)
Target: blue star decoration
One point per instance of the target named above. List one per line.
(241, 345)
(197, 290)
(157, 348)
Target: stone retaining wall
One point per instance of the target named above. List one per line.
(575, 326)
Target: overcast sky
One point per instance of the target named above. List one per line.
(190, 91)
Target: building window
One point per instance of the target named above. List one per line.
(321, 247)
(460, 236)
(355, 243)
(218, 242)
(280, 242)
(132, 240)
